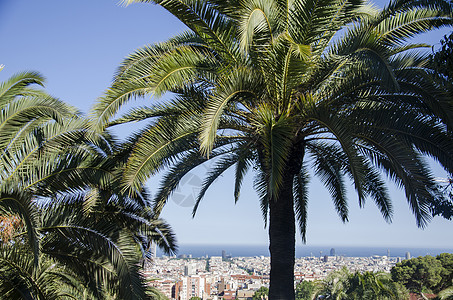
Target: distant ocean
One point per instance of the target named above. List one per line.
(303, 251)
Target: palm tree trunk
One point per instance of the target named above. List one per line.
(282, 234)
(282, 231)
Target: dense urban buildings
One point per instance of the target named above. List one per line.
(225, 277)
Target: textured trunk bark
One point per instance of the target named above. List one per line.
(282, 231)
(282, 234)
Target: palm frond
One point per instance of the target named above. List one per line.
(223, 164)
(301, 201)
(329, 162)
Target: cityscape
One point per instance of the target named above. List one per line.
(225, 277)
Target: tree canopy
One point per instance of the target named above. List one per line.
(305, 290)
(425, 273)
(261, 294)
(443, 58)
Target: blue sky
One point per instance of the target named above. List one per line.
(77, 45)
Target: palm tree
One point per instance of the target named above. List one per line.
(334, 286)
(96, 250)
(25, 113)
(77, 235)
(370, 285)
(276, 86)
(446, 294)
(21, 280)
(342, 284)
(51, 280)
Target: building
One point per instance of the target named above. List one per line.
(408, 255)
(227, 284)
(190, 286)
(166, 287)
(245, 294)
(332, 252)
(215, 260)
(228, 295)
(215, 263)
(190, 269)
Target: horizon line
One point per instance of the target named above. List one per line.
(317, 245)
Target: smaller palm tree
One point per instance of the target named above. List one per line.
(34, 130)
(79, 237)
(344, 285)
(334, 286)
(20, 279)
(446, 294)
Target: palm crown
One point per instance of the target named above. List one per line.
(282, 85)
(66, 231)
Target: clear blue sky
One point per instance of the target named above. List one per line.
(77, 45)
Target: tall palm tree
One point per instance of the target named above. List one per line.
(276, 86)
(59, 184)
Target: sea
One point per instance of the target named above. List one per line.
(303, 251)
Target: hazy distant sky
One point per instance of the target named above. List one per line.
(77, 46)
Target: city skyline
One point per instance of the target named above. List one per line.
(78, 47)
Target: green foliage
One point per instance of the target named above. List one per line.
(446, 259)
(305, 290)
(425, 273)
(79, 235)
(446, 294)
(343, 285)
(195, 298)
(443, 58)
(261, 293)
(443, 67)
